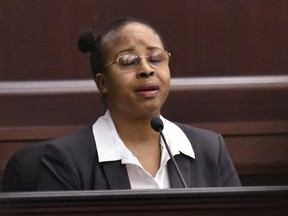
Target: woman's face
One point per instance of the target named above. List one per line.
(139, 90)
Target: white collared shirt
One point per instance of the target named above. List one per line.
(110, 147)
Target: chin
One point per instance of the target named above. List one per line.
(152, 112)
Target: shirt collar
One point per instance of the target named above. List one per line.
(110, 146)
(177, 139)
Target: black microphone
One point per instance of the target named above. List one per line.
(157, 125)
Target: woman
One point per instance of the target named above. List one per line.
(121, 150)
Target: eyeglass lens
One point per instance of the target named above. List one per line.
(154, 59)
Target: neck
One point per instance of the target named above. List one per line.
(139, 137)
(133, 130)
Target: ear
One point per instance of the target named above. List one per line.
(101, 82)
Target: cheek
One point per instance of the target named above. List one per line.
(164, 76)
(118, 84)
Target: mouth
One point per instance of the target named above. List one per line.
(148, 90)
(148, 87)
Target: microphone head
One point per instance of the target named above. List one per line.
(157, 124)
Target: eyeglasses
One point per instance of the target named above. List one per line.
(155, 59)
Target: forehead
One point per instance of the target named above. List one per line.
(133, 36)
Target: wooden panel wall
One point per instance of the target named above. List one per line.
(205, 37)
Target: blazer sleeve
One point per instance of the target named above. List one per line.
(229, 176)
(57, 170)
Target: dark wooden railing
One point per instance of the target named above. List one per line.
(202, 201)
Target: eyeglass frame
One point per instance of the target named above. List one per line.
(116, 61)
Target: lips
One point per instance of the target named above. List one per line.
(148, 90)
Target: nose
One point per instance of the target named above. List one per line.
(144, 70)
(145, 74)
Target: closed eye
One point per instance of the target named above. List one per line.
(156, 58)
(128, 60)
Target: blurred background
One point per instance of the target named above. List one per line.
(206, 37)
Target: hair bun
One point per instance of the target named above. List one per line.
(86, 41)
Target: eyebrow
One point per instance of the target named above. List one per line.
(131, 50)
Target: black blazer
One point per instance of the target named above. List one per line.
(71, 163)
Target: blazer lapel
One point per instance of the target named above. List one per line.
(183, 163)
(116, 175)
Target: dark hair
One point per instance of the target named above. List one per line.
(88, 43)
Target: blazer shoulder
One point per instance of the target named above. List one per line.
(212, 157)
(203, 141)
(198, 133)
(78, 145)
(79, 139)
